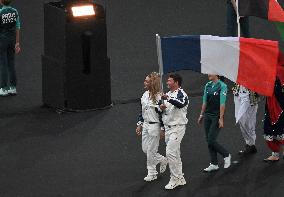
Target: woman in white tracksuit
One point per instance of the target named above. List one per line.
(149, 125)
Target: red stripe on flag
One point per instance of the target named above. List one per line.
(257, 66)
(275, 11)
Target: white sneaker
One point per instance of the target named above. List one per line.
(174, 182)
(12, 91)
(227, 161)
(149, 177)
(182, 181)
(3, 92)
(163, 165)
(211, 168)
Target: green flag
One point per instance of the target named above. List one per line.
(280, 27)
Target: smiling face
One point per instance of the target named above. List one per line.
(172, 85)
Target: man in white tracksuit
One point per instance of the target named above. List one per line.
(150, 125)
(174, 111)
(246, 104)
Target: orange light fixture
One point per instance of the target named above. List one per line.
(84, 10)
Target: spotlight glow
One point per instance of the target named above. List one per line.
(84, 10)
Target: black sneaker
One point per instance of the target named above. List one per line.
(252, 149)
(245, 151)
(248, 150)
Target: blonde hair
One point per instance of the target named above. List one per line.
(155, 85)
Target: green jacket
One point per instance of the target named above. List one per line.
(215, 94)
(9, 22)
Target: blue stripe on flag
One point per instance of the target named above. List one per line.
(181, 53)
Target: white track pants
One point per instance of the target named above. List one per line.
(150, 145)
(173, 138)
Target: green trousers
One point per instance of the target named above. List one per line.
(211, 125)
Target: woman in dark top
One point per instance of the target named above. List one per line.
(213, 109)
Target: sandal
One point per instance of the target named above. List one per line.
(273, 158)
(268, 160)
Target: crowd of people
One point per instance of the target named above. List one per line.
(164, 115)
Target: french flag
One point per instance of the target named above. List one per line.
(247, 61)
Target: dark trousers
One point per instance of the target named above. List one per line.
(232, 25)
(211, 125)
(7, 63)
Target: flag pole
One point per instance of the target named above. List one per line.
(160, 60)
(238, 19)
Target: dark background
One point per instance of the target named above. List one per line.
(43, 153)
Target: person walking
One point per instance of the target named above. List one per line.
(212, 111)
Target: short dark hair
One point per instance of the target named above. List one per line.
(6, 2)
(176, 77)
(222, 78)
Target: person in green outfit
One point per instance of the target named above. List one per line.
(9, 45)
(212, 111)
